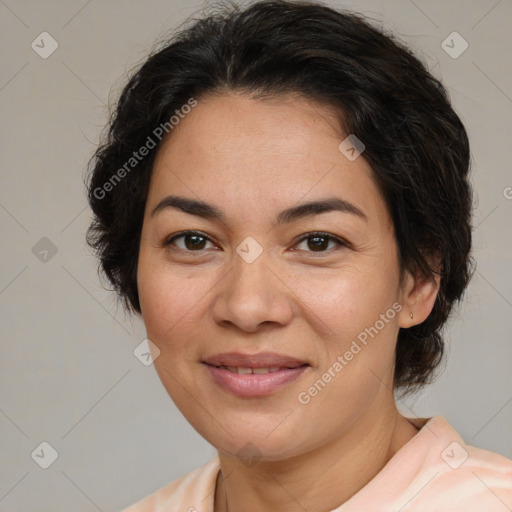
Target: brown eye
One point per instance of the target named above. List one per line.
(191, 241)
(319, 242)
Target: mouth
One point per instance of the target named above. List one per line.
(254, 375)
(262, 360)
(240, 370)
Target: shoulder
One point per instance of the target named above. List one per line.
(458, 477)
(193, 492)
(437, 471)
(474, 479)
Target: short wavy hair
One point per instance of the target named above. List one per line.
(415, 143)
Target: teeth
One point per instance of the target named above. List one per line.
(256, 371)
(259, 371)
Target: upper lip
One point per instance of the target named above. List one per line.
(261, 360)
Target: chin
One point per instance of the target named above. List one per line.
(255, 443)
(252, 450)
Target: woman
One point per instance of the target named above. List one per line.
(283, 196)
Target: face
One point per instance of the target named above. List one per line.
(317, 289)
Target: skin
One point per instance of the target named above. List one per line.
(253, 158)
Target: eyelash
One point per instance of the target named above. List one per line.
(319, 234)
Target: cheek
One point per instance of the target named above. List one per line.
(355, 317)
(345, 301)
(172, 300)
(359, 352)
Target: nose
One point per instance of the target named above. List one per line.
(252, 294)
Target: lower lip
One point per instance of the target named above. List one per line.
(254, 385)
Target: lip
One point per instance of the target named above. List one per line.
(251, 385)
(254, 385)
(261, 360)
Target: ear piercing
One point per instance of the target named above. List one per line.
(412, 316)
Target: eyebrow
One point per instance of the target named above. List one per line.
(210, 212)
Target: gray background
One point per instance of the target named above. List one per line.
(68, 375)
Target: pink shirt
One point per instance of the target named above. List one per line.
(434, 472)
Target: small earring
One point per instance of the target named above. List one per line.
(412, 316)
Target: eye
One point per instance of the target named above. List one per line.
(193, 241)
(319, 242)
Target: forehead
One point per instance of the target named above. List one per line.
(250, 154)
(286, 126)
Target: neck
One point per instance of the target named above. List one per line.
(320, 480)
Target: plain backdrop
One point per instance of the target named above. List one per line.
(68, 374)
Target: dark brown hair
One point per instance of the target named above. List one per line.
(415, 143)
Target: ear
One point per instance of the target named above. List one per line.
(417, 296)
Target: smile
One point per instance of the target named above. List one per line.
(254, 382)
(258, 371)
